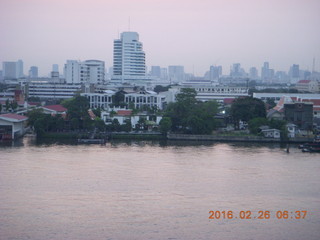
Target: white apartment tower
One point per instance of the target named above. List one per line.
(90, 71)
(128, 58)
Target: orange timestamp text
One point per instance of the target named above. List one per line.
(264, 214)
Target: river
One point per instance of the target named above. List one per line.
(158, 190)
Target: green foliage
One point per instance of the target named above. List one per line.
(191, 116)
(14, 105)
(255, 123)
(7, 105)
(246, 109)
(34, 99)
(126, 127)
(42, 122)
(165, 125)
(271, 103)
(118, 99)
(34, 115)
(77, 107)
(74, 123)
(99, 124)
(97, 111)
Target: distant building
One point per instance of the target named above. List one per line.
(176, 74)
(155, 71)
(33, 72)
(267, 74)
(253, 73)
(128, 59)
(9, 70)
(215, 72)
(90, 71)
(52, 91)
(55, 68)
(20, 72)
(300, 114)
(12, 70)
(308, 86)
(294, 73)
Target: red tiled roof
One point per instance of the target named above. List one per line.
(57, 108)
(124, 112)
(314, 101)
(33, 103)
(228, 100)
(91, 114)
(304, 81)
(14, 116)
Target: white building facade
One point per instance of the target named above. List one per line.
(128, 58)
(90, 71)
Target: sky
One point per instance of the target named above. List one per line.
(192, 33)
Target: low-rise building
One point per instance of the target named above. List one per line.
(271, 133)
(12, 126)
(300, 114)
(54, 109)
(311, 86)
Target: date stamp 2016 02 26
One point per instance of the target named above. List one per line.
(263, 214)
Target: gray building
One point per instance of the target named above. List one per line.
(33, 72)
(300, 114)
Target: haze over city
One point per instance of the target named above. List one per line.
(195, 34)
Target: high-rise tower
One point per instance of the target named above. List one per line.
(128, 58)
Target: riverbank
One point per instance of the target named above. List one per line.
(172, 136)
(230, 138)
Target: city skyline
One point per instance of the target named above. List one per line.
(193, 34)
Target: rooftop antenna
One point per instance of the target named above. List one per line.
(129, 24)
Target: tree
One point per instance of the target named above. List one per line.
(247, 108)
(160, 88)
(7, 105)
(271, 103)
(127, 127)
(255, 123)
(191, 116)
(34, 115)
(14, 105)
(165, 125)
(118, 98)
(77, 106)
(99, 124)
(74, 123)
(0, 107)
(97, 111)
(115, 125)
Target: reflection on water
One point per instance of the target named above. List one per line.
(155, 190)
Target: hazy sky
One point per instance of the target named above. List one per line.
(193, 33)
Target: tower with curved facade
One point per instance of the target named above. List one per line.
(128, 59)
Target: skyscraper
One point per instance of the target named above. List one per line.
(33, 72)
(19, 69)
(253, 73)
(128, 58)
(9, 70)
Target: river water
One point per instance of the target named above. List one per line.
(157, 190)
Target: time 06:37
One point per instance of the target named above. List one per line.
(260, 215)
